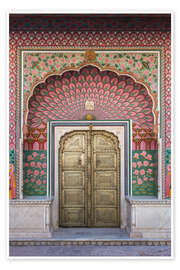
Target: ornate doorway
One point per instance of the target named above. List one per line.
(89, 179)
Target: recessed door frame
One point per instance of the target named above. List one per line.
(121, 129)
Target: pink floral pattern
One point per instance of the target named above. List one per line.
(145, 169)
(142, 65)
(35, 173)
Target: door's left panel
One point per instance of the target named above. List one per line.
(73, 180)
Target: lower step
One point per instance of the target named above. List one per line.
(90, 242)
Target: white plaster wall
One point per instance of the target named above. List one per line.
(116, 130)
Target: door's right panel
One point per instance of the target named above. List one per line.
(105, 180)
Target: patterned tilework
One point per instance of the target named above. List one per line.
(168, 94)
(12, 157)
(144, 173)
(168, 158)
(35, 173)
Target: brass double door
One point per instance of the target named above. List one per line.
(89, 179)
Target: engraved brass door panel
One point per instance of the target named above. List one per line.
(89, 179)
(105, 171)
(73, 180)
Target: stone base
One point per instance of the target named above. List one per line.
(29, 235)
(30, 219)
(148, 219)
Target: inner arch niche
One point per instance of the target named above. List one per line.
(63, 97)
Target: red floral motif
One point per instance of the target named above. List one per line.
(136, 172)
(139, 163)
(42, 172)
(141, 171)
(134, 164)
(38, 182)
(32, 164)
(36, 172)
(42, 156)
(29, 158)
(38, 164)
(149, 157)
(140, 181)
(146, 163)
(136, 155)
(44, 165)
(29, 171)
(143, 153)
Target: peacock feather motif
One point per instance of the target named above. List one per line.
(63, 97)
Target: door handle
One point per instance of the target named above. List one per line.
(80, 162)
(98, 162)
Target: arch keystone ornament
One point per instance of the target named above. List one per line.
(89, 117)
(90, 56)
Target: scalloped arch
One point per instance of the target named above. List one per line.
(115, 95)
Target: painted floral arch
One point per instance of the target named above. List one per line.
(115, 96)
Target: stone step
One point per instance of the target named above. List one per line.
(123, 242)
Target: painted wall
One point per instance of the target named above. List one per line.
(144, 55)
